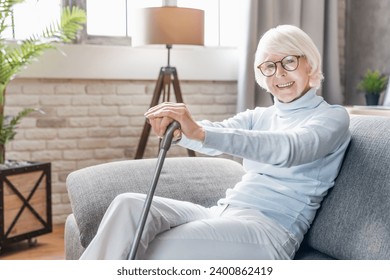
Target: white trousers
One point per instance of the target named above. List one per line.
(183, 230)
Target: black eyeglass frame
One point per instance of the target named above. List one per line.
(281, 63)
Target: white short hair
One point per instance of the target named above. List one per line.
(291, 40)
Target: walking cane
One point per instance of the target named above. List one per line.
(164, 147)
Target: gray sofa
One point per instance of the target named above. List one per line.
(352, 223)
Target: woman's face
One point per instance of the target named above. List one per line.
(288, 86)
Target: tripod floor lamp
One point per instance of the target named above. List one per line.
(167, 25)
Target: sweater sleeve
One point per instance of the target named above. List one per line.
(313, 139)
(241, 121)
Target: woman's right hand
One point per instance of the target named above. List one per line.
(160, 116)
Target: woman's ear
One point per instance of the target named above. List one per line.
(315, 80)
(315, 77)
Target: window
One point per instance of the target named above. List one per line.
(31, 17)
(221, 20)
(109, 21)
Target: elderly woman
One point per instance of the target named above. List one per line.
(292, 152)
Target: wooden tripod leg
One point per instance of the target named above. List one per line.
(166, 87)
(179, 98)
(146, 130)
(166, 76)
(176, 86)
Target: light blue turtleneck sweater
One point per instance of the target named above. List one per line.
(292, 153)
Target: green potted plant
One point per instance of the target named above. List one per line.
(373, 83)
(25, 205)
(14, 57)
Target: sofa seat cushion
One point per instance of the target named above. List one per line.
(353, 221)
(200, 180)
(307, 253)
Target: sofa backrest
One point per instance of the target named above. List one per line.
(354, 219)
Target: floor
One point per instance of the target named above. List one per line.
(48, 247)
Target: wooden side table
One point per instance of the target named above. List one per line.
(25, 202)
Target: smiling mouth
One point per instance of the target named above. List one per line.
(286, 85)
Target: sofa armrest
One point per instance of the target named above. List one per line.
(201, 180)
(73, 247)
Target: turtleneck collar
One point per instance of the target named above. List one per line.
(308, 101)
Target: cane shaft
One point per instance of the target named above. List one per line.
(148, 203)
(165, 145)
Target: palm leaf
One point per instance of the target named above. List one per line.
(66, 30)
(8, 132)
(15, 58)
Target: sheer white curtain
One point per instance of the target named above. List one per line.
(317, 18)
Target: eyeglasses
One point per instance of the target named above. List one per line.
(289, 63)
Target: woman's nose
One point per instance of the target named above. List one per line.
(280, 71)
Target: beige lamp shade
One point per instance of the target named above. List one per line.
(168, 26)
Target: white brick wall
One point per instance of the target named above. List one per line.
(88, 122)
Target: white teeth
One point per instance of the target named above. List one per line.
(285, 85)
